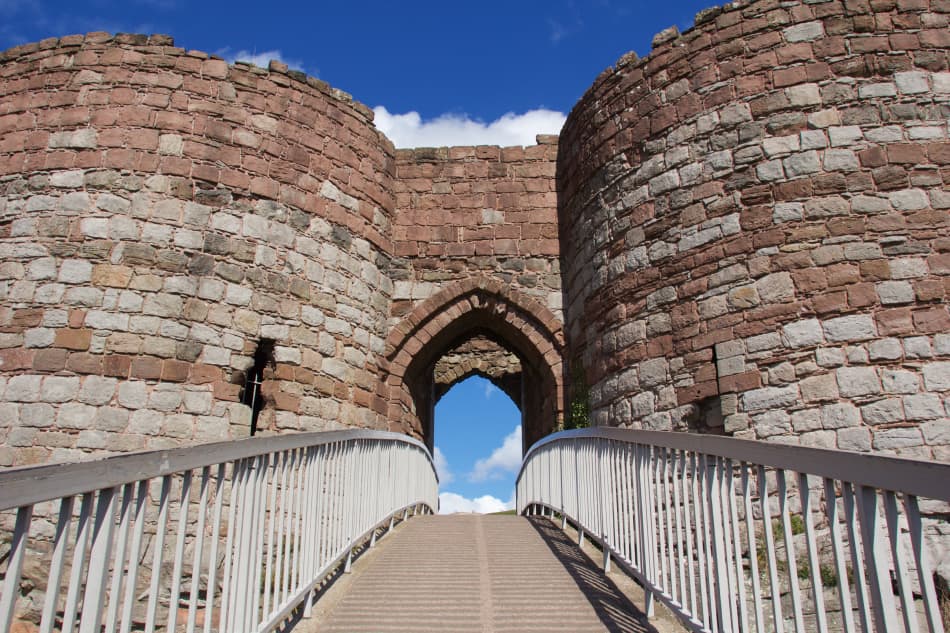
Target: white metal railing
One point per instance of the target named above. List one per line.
(736, 535)
(229, 537)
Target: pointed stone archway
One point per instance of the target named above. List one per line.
(480, 308)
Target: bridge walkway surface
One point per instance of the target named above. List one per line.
(496, 573)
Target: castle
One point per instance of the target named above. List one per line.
(745, 232)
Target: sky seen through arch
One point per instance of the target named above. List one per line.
(477, 447)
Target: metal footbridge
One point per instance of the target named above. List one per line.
(259, 535)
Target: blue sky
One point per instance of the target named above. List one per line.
(478, 447)
(463, 65)
(436, 73)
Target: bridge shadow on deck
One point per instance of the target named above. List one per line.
(613, 607)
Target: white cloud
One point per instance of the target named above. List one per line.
(490, 390)
(261, 59)
(556, 31)
(442, 467)
(506, 457)
(450, 503)
(409, 129)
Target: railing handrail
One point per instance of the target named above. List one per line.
(898, 474)
(35, 484)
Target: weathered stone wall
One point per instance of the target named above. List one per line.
(755, 225)
(476, 211)
(160, 214)
(476, 251)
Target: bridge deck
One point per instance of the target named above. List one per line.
(480, 573)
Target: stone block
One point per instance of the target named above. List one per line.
(840, 160)
(899, 381)
(826, 207)
(769, 398)
(917, 347)
(804, 333)
(829, 357)
(890, 439)
(857, 381)
(170, 144)
(165, 399)
(775, 288)
(40, 415)
(735, 114)
(111, 419)
(145, 422)
(23, 388)
(819, 388)
(777, 145)
(787, 212)
(802, 164)
(180, 426)
(75, 415)
(885, 349)
(937, 376)
(806, 420)
(804, 95)
(883, 411)
(60, 388)
(75, 271)
(85, 138)
(770, 171)
(923, 406)
(736, 422)
(102, 320)
(133, 394)
(854, 439)
(936, 433)
(198, 402)
(818, 439)
(804, 32)
(858, 327)
(845, 135)
(875, 90)
(38, 337)
(642, 405)
(910, 83)
(909, 199)
(840, 415)
(772, 423)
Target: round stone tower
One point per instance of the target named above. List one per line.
(755, 228)
(180, 235)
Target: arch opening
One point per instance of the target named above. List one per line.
(480, 330)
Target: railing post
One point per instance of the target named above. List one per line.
(11, 584)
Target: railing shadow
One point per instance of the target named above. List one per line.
(615, 610)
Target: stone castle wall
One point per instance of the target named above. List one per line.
(165, 216)
(476, 211)
(750, 228)
(755, 224)
(485, 219)
(161, 213)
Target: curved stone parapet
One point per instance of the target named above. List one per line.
(163, 216)
(754, 224)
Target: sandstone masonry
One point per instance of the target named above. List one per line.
(754, 228)
(743, 233)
